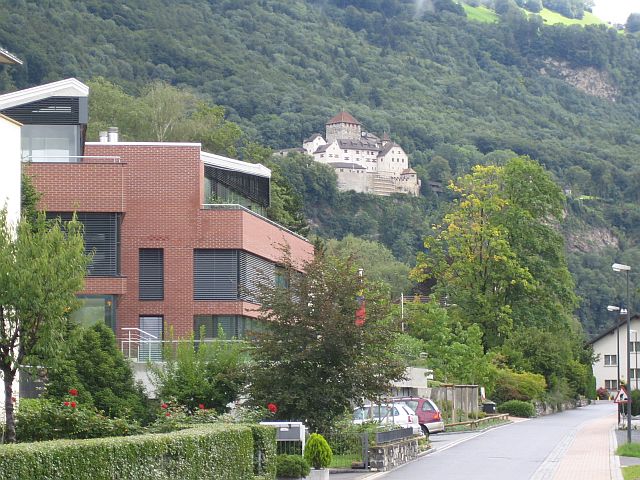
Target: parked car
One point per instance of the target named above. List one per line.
(429, 415)
(392, 413)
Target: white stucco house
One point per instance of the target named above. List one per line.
(10, 176)
(605, 346)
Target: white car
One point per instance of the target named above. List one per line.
(392, 413)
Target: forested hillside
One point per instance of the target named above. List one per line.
(452, 91)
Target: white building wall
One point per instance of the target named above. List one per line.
(10, 165)
(352, 179)
(311, 147)
(10, 171)
(607, 345)
(394, 162)
(330, 155)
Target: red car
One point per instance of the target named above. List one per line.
(428, 413)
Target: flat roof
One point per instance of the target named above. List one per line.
(69, 87)
(8, 58)
(226, 163)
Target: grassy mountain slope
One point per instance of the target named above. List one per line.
(444, 86)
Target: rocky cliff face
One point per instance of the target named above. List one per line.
(589, 80)
(591, 240)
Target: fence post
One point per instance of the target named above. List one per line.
(365, 450)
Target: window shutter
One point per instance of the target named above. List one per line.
(215, 274)
(151, 270)
(253, 271)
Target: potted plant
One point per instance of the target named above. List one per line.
(318, 453)
(291, 466)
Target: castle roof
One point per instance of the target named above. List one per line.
(352, 166)
(408, 171)
(312, 138)
(343, 117)
(323, 148)
(360, 144)
(387, 148)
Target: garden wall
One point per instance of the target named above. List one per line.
(218, 451)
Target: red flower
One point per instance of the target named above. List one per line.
(201, 406)
(73, 392)
(73, 404)
(164, 406)
(272, 407)
(66, 404)
(168, 414)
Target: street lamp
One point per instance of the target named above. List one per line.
(619, 267)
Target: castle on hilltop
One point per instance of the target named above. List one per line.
(362, 161)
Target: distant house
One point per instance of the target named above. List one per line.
(362, 161)
(605, 346)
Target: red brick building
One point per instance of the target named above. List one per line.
(178, 235)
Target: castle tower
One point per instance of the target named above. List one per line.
(343, 126)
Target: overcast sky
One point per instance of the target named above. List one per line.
(616, 11)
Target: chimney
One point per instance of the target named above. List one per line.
(113, 134)
(103, 137)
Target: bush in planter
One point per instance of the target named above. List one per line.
(517, 408)
(318, 452)
(291, 466)
(602, 393)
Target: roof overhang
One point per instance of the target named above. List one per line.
(226, 163)
(69, 87)
(8, 58)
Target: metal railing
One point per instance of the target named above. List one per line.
(143, 347)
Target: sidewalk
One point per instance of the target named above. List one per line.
(591, 454)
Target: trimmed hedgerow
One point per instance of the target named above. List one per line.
(264, 452)
(517, 408)
(219, 451)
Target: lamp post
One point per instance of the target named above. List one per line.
(619, 267)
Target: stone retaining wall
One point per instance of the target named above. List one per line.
(390, 455)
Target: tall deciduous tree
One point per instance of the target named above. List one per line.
(42, 266)
(497, 257)
(313, 360)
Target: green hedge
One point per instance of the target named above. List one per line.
(517, 408)
(219, 451)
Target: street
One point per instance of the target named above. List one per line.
(541, 448)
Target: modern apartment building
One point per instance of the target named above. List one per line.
(178, 236)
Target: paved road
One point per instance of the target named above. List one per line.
(532, 449)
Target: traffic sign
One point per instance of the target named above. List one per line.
(622, 396)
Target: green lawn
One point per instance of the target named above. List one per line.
(480, 14)
(486, 15)
(629, 450)
(553, 18)
(631, 473)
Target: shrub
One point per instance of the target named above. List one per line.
(38, 420)
(292, 466)
(517, 408)
(602, 393)
(635, 402)
(264, 452)
(93, 364)
(510, 385)
(217, 452)
(318, 452)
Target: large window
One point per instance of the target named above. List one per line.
(610, 360)
(96, 309)
(229, 275)
(101, 240)
(611, 384)
(224, 327)
(50, 143)
(151, 270)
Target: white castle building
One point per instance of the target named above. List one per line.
(363, 162)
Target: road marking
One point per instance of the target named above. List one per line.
(438, 450)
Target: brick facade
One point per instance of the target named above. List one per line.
(159, 190)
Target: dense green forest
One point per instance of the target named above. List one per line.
(453, 92)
